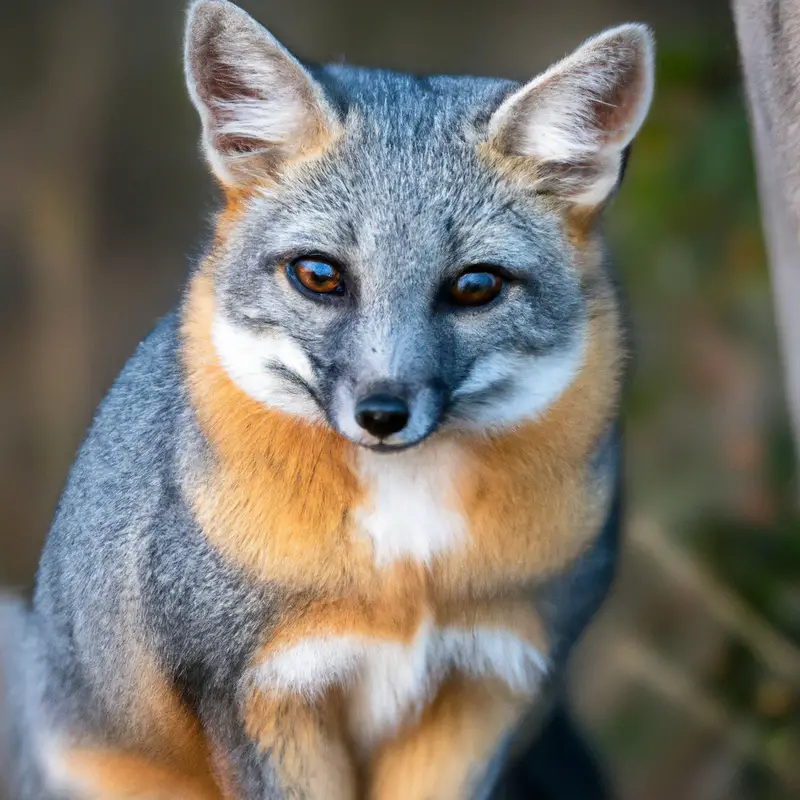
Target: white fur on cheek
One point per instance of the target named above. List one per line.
(536, 382)
(246, 355)
(406, 512)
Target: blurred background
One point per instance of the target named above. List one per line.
(689, 683)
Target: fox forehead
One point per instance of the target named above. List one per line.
(400, 104)
(406, 169)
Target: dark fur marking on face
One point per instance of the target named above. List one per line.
(463, 406)
(294, 380)
(257, 323)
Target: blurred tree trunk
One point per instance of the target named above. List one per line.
(50, 157)
(769, 41)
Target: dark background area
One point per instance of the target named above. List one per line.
(690, 681)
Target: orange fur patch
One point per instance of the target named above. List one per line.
(305, 744)
(445, 753)
(167, 748)
(515, 615)
(393, 612)
(397, 613)
(580, 226)
(165, 727)
(103, 774)
(278, 498)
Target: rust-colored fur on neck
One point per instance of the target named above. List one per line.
(281, 489)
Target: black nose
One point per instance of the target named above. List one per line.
(382, 414)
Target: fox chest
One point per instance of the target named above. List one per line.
(410, 509)
(389, 647)
(386, 682)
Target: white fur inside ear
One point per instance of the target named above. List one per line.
(598, 189)
(272, 111)
(583, 111)
(272, 118)
(250, 359)
(251, 93)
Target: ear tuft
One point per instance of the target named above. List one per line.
(258, 105)
(577, 118)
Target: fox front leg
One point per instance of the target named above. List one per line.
(445, 754)
(303, 745)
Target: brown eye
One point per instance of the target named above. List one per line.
(314, 275)
(475, 288)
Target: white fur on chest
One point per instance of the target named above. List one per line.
(389, 682)
(410, 507)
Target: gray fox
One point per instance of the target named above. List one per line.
(338, 522)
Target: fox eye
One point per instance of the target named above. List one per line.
(476, 287)
(316, 276)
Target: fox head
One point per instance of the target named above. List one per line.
(404, 256)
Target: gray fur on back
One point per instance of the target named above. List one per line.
(124, 564)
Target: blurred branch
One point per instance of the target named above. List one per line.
(676, 687)
(777, 653)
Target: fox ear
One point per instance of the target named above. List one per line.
(576, 120)
(259, 107)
